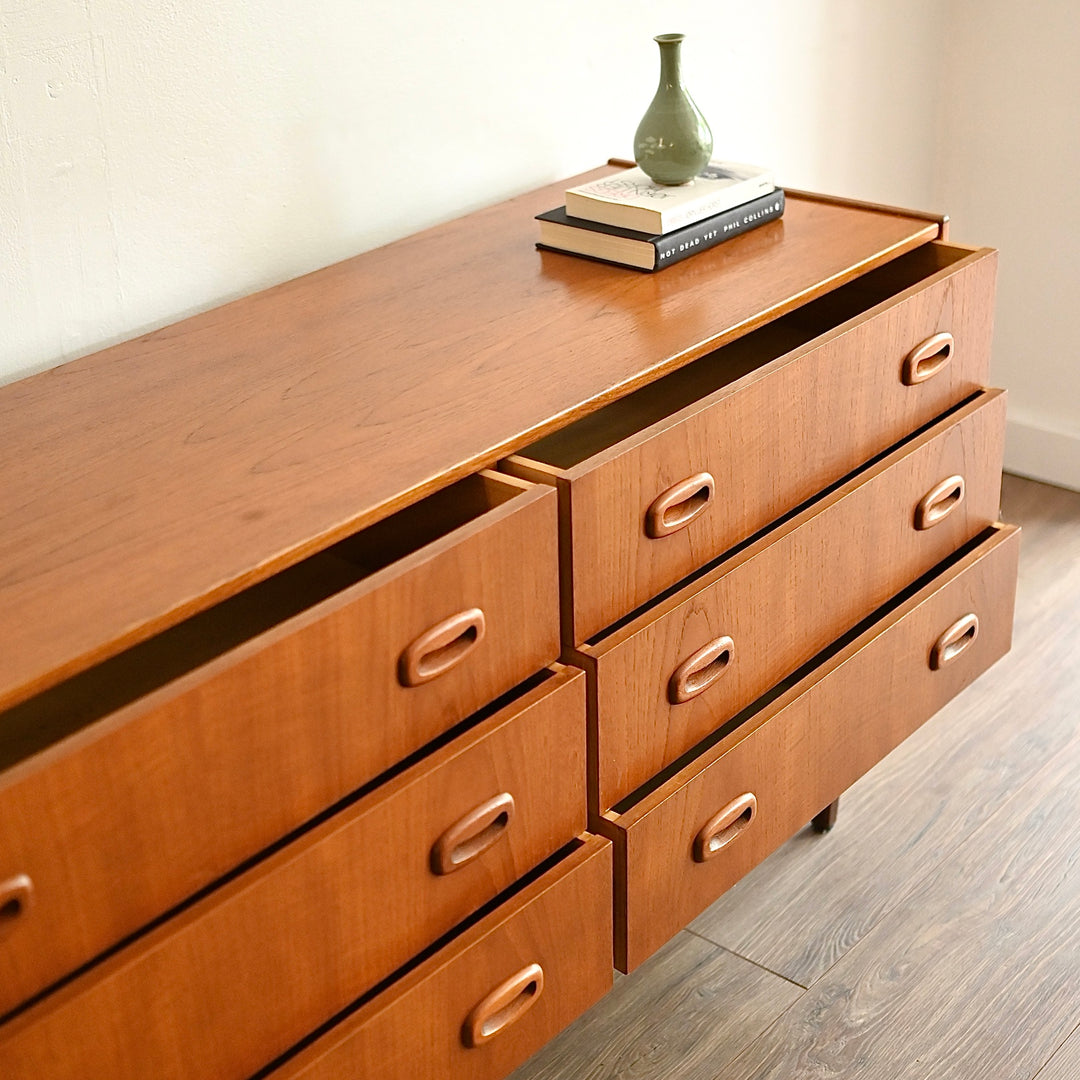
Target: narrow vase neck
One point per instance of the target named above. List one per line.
(670, 63)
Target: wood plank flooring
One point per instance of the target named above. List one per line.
(935, 932)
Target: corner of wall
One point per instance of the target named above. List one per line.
(1039, 453)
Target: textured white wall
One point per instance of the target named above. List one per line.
(1010, 157)
(160, 157)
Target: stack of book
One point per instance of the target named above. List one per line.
(630, 220)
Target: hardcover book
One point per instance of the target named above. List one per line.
(630, 200)
(626, 247)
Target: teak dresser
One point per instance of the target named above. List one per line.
(388, 651)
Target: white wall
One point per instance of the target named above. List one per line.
(160, 158)
(1010, 157)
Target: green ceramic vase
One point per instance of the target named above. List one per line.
(673, 142)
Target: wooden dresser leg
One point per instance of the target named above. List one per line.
(824, 821)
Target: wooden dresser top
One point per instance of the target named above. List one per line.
(145, 482)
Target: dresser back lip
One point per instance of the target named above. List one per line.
(942, 220)
(612, 823)
(228, 403)
(681, 593)
(708, 401)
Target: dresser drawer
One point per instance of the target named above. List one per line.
(205, 745)
(693, 837)
(673, 675)
(479, 1007)
(674, 474)
(282, 947)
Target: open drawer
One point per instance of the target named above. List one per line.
(710, 821)
(672, 674)
(659, 482)
(285, 945)
(133, 785)
(479, 1007)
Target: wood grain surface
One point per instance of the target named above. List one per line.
(969, 968)
(238, 977)
(976, 975)
(905, 828)
(803, 909)
(809, 746)
(412, 1031)
(155, 478)
(822, 383)
(787, 596)
(131, 815)
(686, 1012)
(1065, 1064)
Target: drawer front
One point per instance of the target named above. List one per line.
(119, 822)
(693, 838)
(282, 948)
(425, 1027)
(775, 605)
(649, 511)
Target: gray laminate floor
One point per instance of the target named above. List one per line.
(935, 932)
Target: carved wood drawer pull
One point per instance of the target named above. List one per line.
(508, 1002)
(472, 834)
(441, 648)
(954, 641)
(722, 828)
(700, 670)
(939, 502)
(16, 896)
(679, 505)
(928, 358)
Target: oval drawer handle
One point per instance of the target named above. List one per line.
(508, 1002)
(928, 358)
(939, 502)
(441, 648)
(954, 641)
(679, 505)
(16, 896)
(472, 834)
(724, 827)
(700, 670)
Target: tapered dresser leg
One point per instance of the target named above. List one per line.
(824, 821)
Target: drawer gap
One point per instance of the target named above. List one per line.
(519, 886)
(641, 409)
(712, 564)
(799, 674)
(33, 725)
(447, 737)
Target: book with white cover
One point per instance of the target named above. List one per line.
(631, 200)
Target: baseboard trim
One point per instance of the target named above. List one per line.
(1042, 454)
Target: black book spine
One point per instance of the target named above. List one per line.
(701, 235)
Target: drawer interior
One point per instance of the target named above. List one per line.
(607, 426)
(31, 726)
